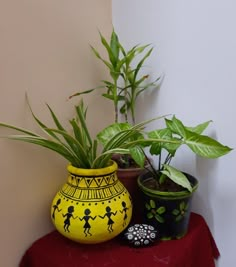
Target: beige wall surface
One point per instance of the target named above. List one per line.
(44, 50)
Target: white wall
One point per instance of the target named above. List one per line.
(195, 46)
(44, 49)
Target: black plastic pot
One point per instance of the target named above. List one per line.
(168, 212)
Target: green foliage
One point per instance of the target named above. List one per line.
(124, 67)
(78, 147)
(176, 176)
(81, 150)
(174, 135)
(126, 82)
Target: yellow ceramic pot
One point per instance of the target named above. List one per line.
(93, 206)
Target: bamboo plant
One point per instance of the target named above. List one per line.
(127, 83)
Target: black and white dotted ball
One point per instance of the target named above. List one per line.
(140, 235)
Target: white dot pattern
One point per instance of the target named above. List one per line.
(141, 235)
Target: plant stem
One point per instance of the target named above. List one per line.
(159, 162)
(116, 112)
(115, 99)
(168, 159)
(153, 170)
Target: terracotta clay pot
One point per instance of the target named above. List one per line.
(129, 178)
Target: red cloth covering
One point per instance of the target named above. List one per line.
(196, 249)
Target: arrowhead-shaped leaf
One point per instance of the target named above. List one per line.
(205, 146)
(109, 132)
(199, 129)
(138, 155)
(177, 176)
(176, 126)
(165, 134)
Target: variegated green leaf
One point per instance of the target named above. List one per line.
(176, 126)
(109, 132)
(199, 129)
(177, 176)
(205, 146)
(138, 155)
(155, 149)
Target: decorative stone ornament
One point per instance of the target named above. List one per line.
(140, 235)
(93, 206)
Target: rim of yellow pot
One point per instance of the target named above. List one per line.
(93, 172)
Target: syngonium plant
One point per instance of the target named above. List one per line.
(175, 131)
(126, 82)
(164, 144)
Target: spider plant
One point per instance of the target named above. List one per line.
(77, 146)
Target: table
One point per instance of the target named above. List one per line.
(196, 249)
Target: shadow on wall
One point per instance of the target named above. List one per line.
(206, 174)
(148, 103)
(206, 170)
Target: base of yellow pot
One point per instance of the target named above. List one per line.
(92, 222)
